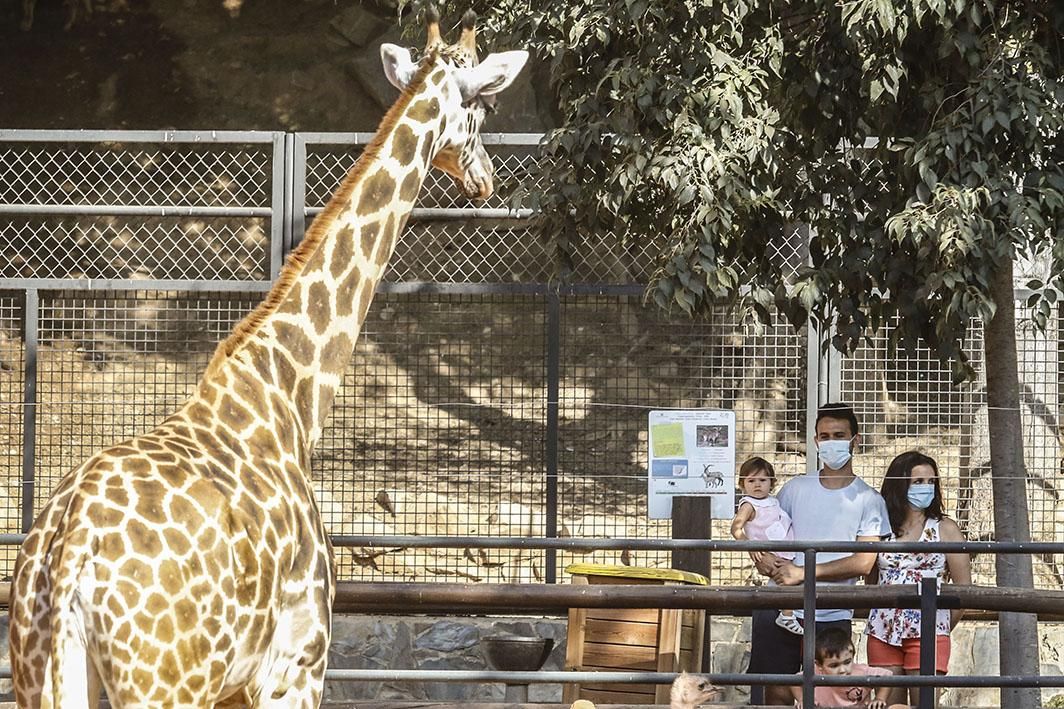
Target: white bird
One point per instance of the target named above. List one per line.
(689, 691)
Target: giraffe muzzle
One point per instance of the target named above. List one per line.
(478, 188)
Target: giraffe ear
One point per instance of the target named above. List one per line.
(491, 76)
(398, 66)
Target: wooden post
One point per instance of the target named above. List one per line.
(691, 519)
(574, 645)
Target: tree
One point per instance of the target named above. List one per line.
(920, 140)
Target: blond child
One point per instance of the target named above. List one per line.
(760, 517)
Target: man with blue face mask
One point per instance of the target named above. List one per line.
(832, 505)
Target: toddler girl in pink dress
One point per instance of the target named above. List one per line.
(760, 517)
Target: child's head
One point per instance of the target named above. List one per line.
(757, 477)
(834, 652)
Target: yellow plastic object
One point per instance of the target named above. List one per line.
(637, 572)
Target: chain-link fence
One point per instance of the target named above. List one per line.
(125, 257)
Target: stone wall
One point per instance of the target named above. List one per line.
(399, 642)
(429, 643)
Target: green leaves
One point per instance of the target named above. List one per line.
(920, 142)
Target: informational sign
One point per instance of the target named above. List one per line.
(692, 452)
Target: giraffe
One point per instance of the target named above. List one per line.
(189, 566)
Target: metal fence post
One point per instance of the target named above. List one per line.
(30, 338)
(279, 204)
(815, 391)
(809, 630)
(554, 354)
(928, 616)
(297, 205)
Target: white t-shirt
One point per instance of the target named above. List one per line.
(820, 514)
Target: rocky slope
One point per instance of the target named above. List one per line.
(303, 65)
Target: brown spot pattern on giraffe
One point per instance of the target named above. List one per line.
(370, 236)
(318, 309)
(336, 353)
(377, 191)
(427, 146)
(249, 391)
(304, 396)
(404, 144)
(296, 342)
(424, 110)
(410, 187)
(286, 373)
(343, 251)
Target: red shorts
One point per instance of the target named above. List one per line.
(881, 654)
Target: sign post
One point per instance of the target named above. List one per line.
(691, 478)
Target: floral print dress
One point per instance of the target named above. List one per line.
(892, 625)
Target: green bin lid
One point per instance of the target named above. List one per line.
(637, 572)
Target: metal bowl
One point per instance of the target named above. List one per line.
(512, 653)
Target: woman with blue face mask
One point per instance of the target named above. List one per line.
(913, 494)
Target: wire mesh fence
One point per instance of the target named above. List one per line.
(909, 402)
(452, 443)
(57, 172)
(12, 365)
(620, 360)
(136, 247)
(443, 424)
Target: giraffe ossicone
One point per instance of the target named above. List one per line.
(189, 566)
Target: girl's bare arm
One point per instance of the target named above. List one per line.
(958, 566)
(745, 514)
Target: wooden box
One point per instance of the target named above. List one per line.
(622, 639)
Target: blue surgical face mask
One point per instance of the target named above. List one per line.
(835, 454)
(921, 495)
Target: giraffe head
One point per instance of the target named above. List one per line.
(466, 88)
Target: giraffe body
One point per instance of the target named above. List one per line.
(189, 566)
(221, 584)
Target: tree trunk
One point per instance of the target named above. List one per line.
(1017, 632)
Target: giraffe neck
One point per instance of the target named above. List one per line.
(299, 340)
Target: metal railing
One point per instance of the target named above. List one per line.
(408, 598)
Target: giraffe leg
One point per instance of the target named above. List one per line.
(304, 693)
(30, 635)
(293, 670)
(81, 682)
(95, 688)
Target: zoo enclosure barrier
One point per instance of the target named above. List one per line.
(487, 398)
(510, 598)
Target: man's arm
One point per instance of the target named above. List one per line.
(853, 566)
(767, 564)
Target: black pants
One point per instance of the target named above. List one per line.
(774, 650)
